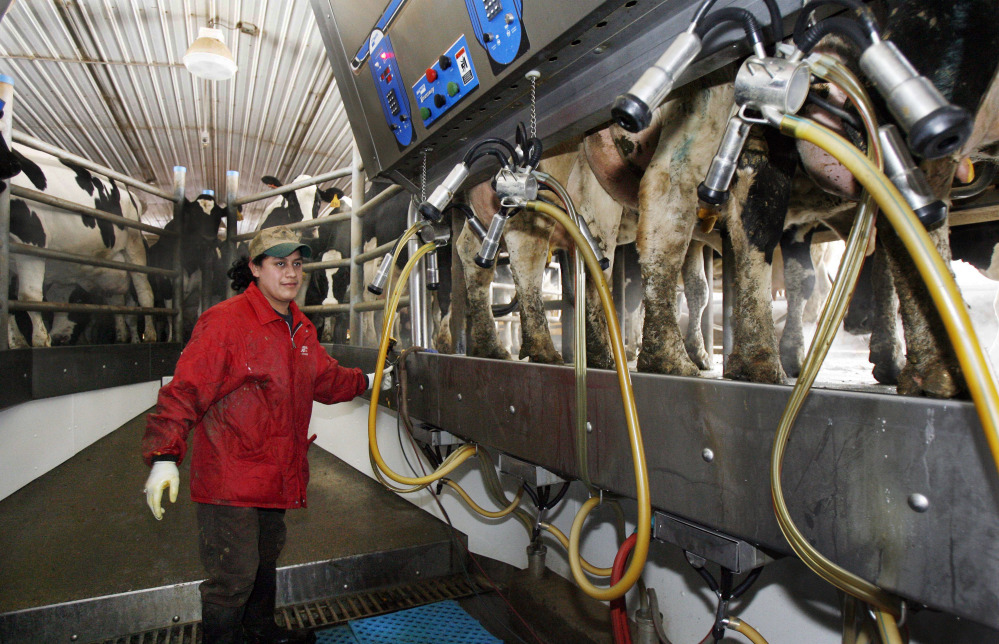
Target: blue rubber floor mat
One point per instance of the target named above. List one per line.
(339, 635)
(441, 623)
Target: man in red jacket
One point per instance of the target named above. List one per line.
(244, 384)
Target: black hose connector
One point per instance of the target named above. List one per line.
(863, 14)
(631, 113)
(430, 212)
(805, 41)
(492, 141)
(710, 196)
(732, 14)
(941, 132)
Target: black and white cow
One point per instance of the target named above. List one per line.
(200, 260)
(46, 227)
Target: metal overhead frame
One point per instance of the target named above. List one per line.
(588, 52)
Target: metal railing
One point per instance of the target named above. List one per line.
(9, 248)
(354, 263)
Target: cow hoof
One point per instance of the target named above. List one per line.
(682, 367)
(764, 370)
(543, 357)
(886, 372)
(934, 381)
(496, 353)
(791, 363)
(700, 358)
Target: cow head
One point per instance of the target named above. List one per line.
(299, 205)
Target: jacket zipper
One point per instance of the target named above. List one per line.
(298, 456)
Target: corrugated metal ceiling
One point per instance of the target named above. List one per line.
(104, 79)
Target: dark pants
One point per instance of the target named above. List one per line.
(239, 549)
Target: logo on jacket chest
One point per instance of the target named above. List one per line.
(305, 350)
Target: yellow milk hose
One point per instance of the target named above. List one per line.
(644, 521)
(740, 626)
(455, 459)
(936, 275)
(948, 300)
(829, 321)
(498, 514)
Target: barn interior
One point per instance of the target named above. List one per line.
(897, 492)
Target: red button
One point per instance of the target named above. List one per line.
(431, 74)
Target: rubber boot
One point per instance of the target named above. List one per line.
(221, 624)
(258, 620)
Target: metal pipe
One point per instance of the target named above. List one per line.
(6, 124)
(355, 266)
(321, 266)
(46, 253)
(38, 144)
(291, 187)
(41, 197)
(374, 305)
(231, 224)
(375, 253)
(179, 180)
(419, 317)
(60, 307)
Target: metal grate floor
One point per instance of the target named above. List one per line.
(328, 612)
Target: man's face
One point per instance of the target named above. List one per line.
(279, 279)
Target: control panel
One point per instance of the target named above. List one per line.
(448, 80)
(499, 28)
(391, 91)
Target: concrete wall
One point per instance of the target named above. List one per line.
(788, 604)
(37, 436)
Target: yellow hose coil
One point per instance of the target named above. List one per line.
(644, 521)
(564, 540)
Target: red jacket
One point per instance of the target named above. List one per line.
(245, 383)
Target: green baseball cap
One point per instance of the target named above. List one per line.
(278, 241)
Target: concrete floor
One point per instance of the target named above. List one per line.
(83, 531)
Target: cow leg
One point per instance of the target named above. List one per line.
(662, 244)
(126, 328)
(527, 237)
(480, 324)
(763, 186)
(135, 253)
(799, 281)
(696, 291)
(931, 366)
(886, 347)
(31, 276)
(63, 327)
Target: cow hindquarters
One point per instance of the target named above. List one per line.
(30, 280)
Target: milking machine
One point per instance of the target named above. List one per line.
(517, 189)
(769, 91)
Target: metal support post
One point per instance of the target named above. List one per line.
(6, 128)
(179, 179)
(708, 318)
(231, 221)
(418, 314)
(728, 295)
(356, 247)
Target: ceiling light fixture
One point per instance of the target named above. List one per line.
(208, 57)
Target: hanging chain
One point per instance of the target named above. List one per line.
(423, 176)
(533, 76)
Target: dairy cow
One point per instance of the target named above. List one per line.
(42, 226)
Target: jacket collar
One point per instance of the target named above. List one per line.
(264, 311)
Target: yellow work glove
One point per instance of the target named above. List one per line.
(163, 474)
(387, 379)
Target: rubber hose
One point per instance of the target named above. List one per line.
(753, 635)
(619, 609)
(644, 520)
(492, 514)
(564, 540)
(733, 14)
(840, 25)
